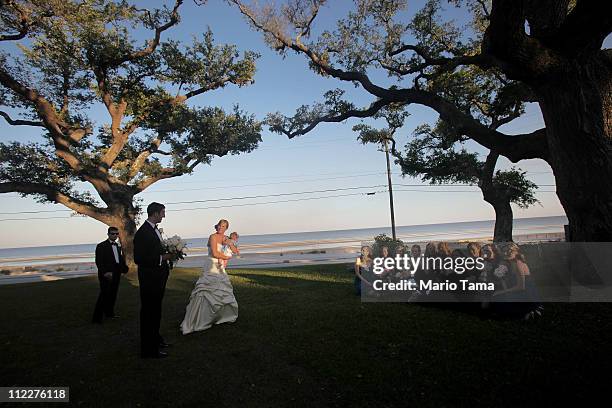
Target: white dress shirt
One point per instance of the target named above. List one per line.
(115, 246)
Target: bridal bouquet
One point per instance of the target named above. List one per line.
(500, 273)
(175, 246)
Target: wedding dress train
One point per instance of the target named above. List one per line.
(212, 300)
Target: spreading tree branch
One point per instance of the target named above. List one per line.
(143, 156)
(117, 110)
(165, 173)
(488, 170)
(352, 113)
(47, 112)
(24, 22)
(20, 122)
(514, 148)
(447, 64)
(56, 196)
(153, 43)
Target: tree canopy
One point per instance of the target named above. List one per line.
(71, 57)
(435, 155)
(442, 67)
(507, 52)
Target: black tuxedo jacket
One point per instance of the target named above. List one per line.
(105, 259)
(148, 248)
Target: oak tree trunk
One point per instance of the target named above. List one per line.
(125, 219)
(127, 229)
(504, 217)
(577, 110)
(499, 198)
(503, 222)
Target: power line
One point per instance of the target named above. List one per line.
(294, 175)
(280, 201)
(350, 174)
(34, 212)
(35, 218)
(210, 200)
(273, 202)
(263, 184)
(298, 193)
(275, 195)
(206, 208)
(335, 173)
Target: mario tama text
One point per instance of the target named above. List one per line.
(432, 286)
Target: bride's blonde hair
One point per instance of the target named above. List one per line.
(221, 221)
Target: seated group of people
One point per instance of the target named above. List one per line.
(502, 265)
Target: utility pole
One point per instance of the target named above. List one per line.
(386, 141)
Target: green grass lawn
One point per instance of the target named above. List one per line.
(302, 339)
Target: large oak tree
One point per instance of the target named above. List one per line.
(435, 155)
(79, 57)
(543, 51)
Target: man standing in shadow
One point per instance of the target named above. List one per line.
(111, 264)
(153, 271)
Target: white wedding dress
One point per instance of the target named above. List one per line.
(212, 300)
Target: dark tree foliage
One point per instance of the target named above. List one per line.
(477, 77)
(73, 57)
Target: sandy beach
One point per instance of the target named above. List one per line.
(275, 255)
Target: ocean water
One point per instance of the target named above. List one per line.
(300, 240)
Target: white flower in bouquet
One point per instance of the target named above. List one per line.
(500, 272)
(175, 245)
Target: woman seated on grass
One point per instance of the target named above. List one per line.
(431, 252)
(415, 253)
(363, 270)
(455, 276)
(491, 257)
(519, 297)
(388, 273)
(424, 274)
(443, 253)
(474, 249)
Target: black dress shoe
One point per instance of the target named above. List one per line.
(159, 354)
(115, 316)
(164, 344)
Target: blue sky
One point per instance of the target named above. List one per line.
(327, 158)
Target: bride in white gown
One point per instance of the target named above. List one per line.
(212, 300)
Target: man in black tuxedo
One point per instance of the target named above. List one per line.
(153, 271)
(111, 264)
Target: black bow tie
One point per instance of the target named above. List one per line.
(114, 244)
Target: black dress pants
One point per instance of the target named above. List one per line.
(151, 293)
(105, 306)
